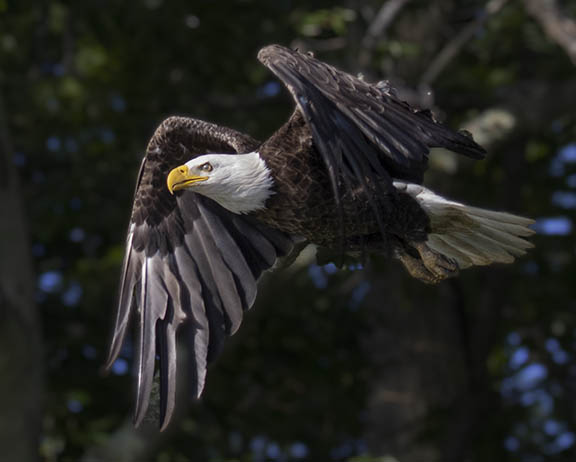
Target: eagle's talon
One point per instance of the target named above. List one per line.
(439, 265)
(417, 269)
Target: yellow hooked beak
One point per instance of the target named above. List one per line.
(180, 178)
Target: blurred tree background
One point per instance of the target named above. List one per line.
(342, 366)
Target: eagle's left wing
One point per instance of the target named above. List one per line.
(189, 263)
(364, 134)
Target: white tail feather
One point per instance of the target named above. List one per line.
(470, 235)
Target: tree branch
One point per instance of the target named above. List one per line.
(378, 27)
(558, 27)
(451, 50)
(21, 365)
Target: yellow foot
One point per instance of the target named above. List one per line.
(431, 267)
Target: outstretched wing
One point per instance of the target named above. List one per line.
(362, 131)
(189, 262)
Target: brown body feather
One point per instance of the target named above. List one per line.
(303, 203)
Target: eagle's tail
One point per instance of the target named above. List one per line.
(470, 235)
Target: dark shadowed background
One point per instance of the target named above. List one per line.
(329, 366)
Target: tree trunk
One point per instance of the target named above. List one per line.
(21, 366)
(428, 348)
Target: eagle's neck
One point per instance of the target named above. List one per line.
(246, 187)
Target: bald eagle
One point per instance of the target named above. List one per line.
(214, 209)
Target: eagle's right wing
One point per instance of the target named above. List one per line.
(189, 263)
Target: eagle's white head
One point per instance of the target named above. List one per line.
(240, 183)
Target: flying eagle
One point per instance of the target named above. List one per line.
(214, 209)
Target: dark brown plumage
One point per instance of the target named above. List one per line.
(303, 203)
(345, 173)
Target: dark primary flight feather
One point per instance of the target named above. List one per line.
(188, 262)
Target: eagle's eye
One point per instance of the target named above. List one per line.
(207, 167)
